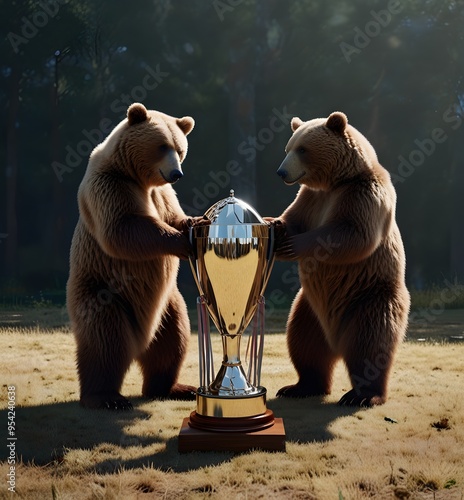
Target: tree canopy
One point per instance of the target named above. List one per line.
(242, 69)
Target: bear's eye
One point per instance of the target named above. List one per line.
(301, 150)
(163, 148)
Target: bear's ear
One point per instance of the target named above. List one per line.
(337, 122)
(186, 124)
(296, 122)
(136, 113)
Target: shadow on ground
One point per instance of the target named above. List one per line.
(308, 419)
(46, 433)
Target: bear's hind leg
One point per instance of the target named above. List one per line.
(369, 337)
(162, 360)
(309, 351)
(103, 356)
(369, 378)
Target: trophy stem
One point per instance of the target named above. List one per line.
(231, 350)
(231, 379)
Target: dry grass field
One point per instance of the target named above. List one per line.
(412, 447)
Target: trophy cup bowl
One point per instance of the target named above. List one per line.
(232, 262)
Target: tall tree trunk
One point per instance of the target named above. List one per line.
(12, 167)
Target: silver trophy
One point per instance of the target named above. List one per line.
(232, 262)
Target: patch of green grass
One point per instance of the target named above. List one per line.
(448, 295)
(450, 483)
(42, 298)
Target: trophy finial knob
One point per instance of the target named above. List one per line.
(232, 193)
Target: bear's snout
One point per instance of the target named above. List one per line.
(175, 175)
(282, 173)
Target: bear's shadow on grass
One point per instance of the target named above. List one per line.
(308, 419)
(45, 433)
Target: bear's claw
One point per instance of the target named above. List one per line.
(299, 391)
(363, 400)
(183, 392)
(119, 405)
(114, 402)
(178, 392)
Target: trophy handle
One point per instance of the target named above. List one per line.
(270, 257)
(193, 261)
(255, 346)
(204, 346)
(270, 248)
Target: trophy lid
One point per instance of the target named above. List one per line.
(232, 211)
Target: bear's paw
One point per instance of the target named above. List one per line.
(302, 390)
(105, 401)
(362, 399)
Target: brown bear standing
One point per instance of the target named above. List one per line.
(353, 303)
(122, 292)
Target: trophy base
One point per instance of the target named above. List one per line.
(240, 424)
(200, 433)
(230, 407)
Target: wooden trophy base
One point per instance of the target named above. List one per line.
(200, 433)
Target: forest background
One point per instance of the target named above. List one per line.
(242, 69)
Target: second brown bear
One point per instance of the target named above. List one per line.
(353, 303)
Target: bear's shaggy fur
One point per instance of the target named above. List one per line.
(353, 303)
(122, 293)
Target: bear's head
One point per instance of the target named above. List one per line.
(324, 151)
(153, 145)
